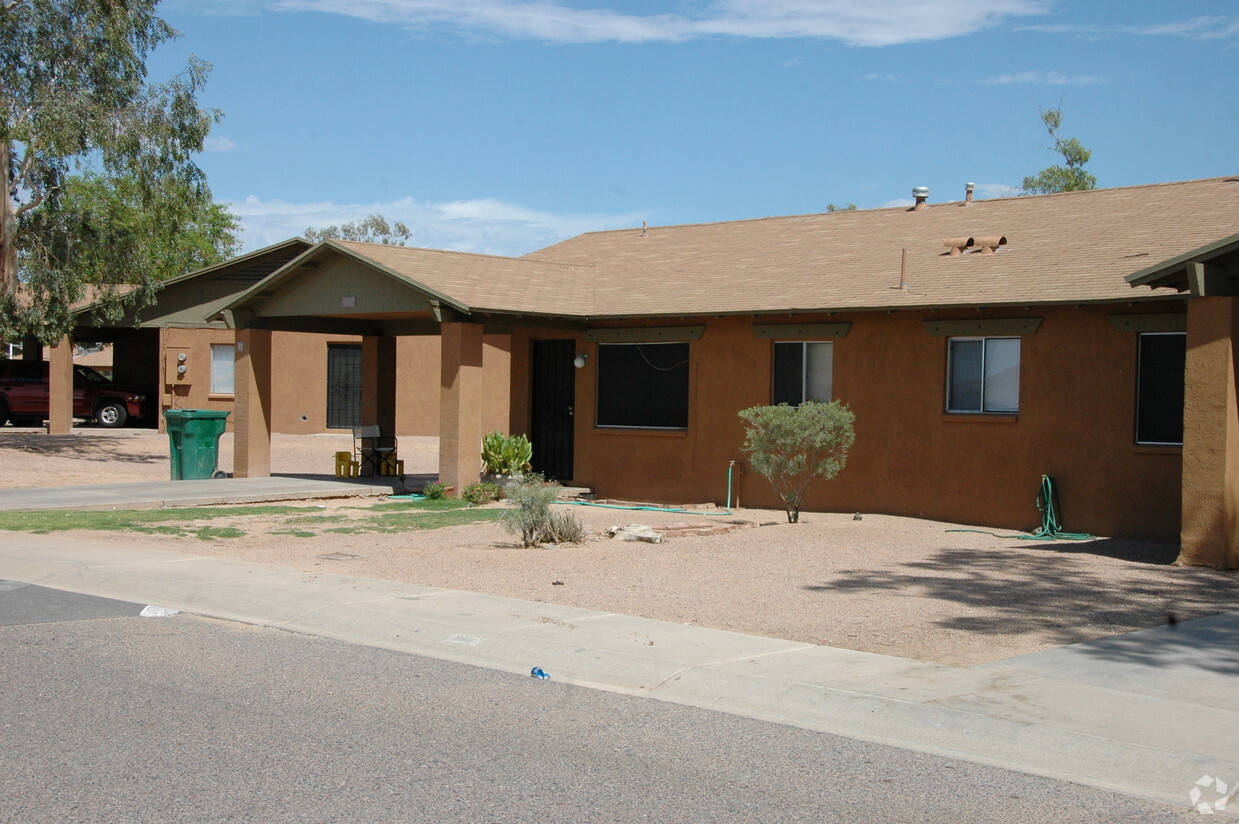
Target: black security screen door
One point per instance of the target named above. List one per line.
(343, 385)
(554, 389)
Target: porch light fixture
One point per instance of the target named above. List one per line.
(580, 360)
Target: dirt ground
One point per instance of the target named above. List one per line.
(884, 584)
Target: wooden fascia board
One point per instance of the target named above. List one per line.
(644, 334)
(983, 327)
(1150, 322)
(802, 331)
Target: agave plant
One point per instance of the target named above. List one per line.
(506, 455)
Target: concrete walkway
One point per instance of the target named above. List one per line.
(153, 494)
(1148, 713)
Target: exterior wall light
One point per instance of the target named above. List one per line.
(580, 360)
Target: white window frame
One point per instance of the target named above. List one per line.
(804, 367)
(218, 375)
(950, 385)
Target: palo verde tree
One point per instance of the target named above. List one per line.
(370, 229)
(1069, 177)
(793, 446)
(75, 104)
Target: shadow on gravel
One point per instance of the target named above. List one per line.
(103, 448)
(1011, 592)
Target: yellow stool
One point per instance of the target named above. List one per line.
(391, 465)
(346, 467)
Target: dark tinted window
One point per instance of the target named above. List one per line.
(643, 385)
(1159, 393)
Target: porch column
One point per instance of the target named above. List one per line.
(1210, 532)
(60, 388)
(460, 405)
(378, 383)
(251, 445)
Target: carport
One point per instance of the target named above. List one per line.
(382, 293)
(144, 354)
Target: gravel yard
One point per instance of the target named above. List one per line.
(899, 586)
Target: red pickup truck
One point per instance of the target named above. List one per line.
(23, 395)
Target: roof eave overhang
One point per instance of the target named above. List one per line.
(1208, 271)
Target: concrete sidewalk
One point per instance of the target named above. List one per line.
(153, 494)
(1148, 713)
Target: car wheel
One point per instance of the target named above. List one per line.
(27, 422)
(111, 415)
(4, 414)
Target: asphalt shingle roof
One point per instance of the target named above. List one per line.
(1073, 247)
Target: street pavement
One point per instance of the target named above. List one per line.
(111, 717)
(1148, 713)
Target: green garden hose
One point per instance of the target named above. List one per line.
(1051, 529)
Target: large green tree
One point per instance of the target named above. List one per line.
(1068, 177)
(77, 111)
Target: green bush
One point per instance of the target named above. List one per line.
(506, 455)
(481, 492)
(435, 491)
(529, 514)
(792, 446)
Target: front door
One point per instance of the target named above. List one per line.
(554, 393)
(343, 385)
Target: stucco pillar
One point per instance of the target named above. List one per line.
(1210, 532)
(251, 455)
(60, 388)
(378, 386)
(460, 405)
(378, 383)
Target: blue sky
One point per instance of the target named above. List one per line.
(501, 126)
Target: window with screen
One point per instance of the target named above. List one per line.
(643, 385)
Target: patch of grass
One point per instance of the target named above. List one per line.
(296, 533)
(402, 521)
(133, 520)
(315, 519)
(424, 505)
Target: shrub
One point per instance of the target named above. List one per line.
(792, 446)
(481, 492)
(529, 514)
(506, 455)
(435, 491)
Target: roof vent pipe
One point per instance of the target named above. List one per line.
(968, 187)
(957, 245)
(990, 244)
(921, 193)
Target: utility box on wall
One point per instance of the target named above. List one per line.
(176, 366)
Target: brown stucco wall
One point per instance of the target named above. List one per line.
(1076, 421)
(299, 377)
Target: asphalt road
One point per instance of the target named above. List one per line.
(108, 717)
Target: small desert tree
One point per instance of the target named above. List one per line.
(792, 446)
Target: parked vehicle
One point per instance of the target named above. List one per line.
(23, 395)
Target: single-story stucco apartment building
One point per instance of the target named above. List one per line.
(1089, 336)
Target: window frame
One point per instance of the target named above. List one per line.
(599, 390)
(950, 383)
(804, 368)
(233, 376)
(1140, 376)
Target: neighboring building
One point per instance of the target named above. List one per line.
(980, 344)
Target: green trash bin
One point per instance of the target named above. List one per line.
(194, 437)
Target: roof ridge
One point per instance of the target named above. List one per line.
(458, 252)
(901, 208)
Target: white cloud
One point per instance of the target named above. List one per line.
(858, 22)
(1044, 79)
(219, 144)
(1198, 28)
(485, 226)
